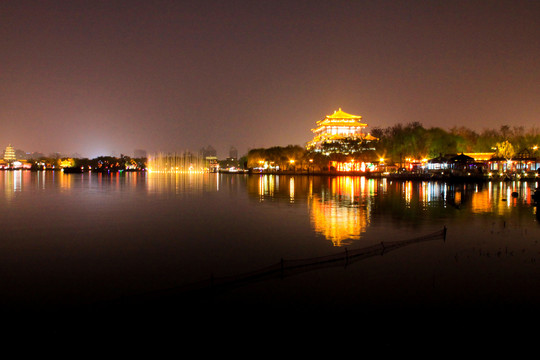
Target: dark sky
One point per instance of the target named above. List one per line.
(108, 77)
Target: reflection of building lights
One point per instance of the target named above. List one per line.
(408, 193)
(457, 197)
(291, 189)
(340, 224)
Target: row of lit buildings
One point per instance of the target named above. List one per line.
(10, 161)
(344, 133)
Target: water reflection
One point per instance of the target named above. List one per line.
(343, 208)
(182, 183)
(12, 183)
(341, 211)
(95, 236)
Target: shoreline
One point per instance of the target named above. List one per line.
(370, 175)
(407, 176)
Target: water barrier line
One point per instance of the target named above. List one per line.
(286, 268)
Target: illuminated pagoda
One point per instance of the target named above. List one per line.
(337, 128)
(343, 134)
(9, 154)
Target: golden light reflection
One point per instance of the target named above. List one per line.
(343, 216)
(425, 193)
(13, 183)
(339, 224)
(408, 193)
(481, 201)
(291, 189)
(177, 183)
(457, 197)
(267, 186)
(64, 180)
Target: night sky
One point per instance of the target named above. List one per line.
(108, 77)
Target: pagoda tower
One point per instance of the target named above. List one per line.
(9, 154)
(338, 126)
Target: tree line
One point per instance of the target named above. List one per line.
(415, 141)
(122, 162)
(401, 141)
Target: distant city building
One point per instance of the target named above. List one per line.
(36, 155)
(9, 154)
(233, 153)
(208, 152)
(21, 154)
(139, 153)
(229, 163)
(211, 163)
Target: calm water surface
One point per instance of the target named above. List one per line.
(84, 238)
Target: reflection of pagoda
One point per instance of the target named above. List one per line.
(342, 214)
(338, 223)
(338, 127)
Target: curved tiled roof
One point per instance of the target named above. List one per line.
(340, 114)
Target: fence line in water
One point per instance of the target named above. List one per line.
(285, 268)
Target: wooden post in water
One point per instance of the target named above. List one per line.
(444, 233)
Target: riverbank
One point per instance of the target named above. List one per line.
(426, 176)
(414, 176)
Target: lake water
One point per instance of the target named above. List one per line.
(83, 239)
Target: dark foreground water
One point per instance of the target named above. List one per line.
(96, 246)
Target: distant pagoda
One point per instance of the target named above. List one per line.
(338, 127)
(9, 154)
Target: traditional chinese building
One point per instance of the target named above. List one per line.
(343, 134)
(337, 127)
(9, 154)
(524, 161)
